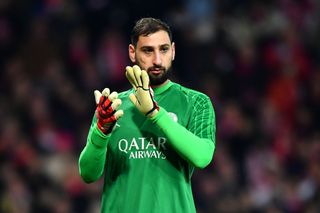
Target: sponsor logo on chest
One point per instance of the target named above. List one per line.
(143, 147)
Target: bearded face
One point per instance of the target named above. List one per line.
(154, 53)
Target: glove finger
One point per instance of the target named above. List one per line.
(105, 92)
(137, 74)
(107, 101)
(134, 99)
(113, 96)
(115, 104)
(145, 79)
(118, 114)
(105, 104)
(130, 77)
(97, 96)
(131, 81)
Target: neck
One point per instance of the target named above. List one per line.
(160, 85)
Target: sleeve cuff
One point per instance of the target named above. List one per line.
(98, 138)
(162, 119)
(159, 115)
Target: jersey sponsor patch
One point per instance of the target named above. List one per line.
(142, 147)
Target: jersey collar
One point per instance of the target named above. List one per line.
(159, 90)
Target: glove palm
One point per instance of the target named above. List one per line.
(142, 98)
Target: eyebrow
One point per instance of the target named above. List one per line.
(152, 47)
(165, 45)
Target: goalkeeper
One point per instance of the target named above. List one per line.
(147, 141)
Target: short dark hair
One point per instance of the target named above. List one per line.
(147, 26)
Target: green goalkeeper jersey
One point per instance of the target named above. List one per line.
(148, 163)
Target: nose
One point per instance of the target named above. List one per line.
(157, 58)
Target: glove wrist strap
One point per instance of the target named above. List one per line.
(155, 107)
(106, 130)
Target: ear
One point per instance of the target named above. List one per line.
(132, 53)
(173, 50)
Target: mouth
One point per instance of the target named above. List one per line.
(155, 71)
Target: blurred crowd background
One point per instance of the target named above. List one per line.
(259, 61)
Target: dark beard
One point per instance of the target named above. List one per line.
(156, 80)
(159, 79)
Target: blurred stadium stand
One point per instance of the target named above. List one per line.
(257, 60)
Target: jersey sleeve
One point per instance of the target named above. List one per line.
(93, 156)
(202, 121)
(197, 143)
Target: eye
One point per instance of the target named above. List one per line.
(164, 49)
(147, 50)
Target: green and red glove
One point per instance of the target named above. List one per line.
(106, 112)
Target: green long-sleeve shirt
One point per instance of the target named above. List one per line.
(148, 163)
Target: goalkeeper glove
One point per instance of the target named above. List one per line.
(142, 98)
(106, 112)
